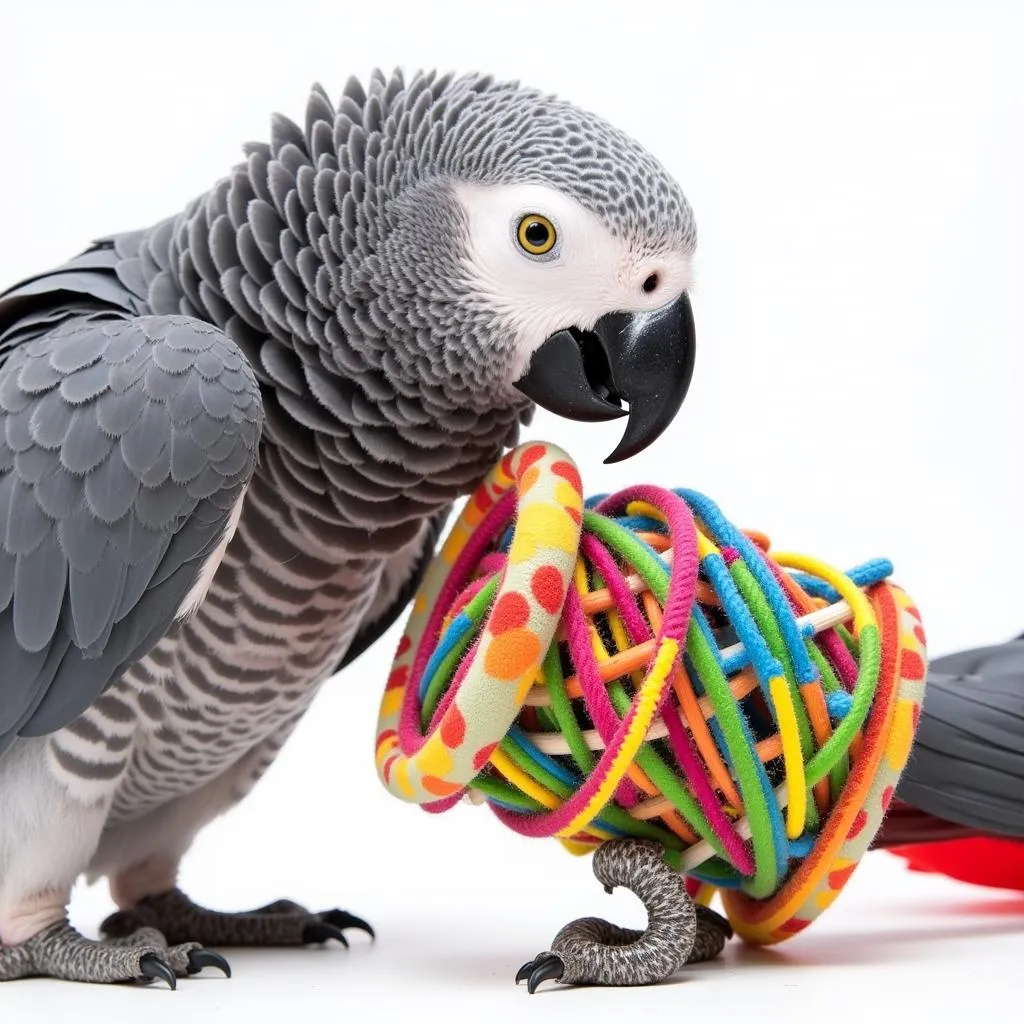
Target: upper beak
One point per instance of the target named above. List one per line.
(642, 359)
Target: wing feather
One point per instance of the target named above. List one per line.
(127, 442)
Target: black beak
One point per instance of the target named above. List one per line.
(644, 360)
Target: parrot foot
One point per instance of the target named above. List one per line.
(61, 952)
(281, 923)
(592, 951)
(184, 959)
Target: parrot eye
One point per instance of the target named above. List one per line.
(536, 235)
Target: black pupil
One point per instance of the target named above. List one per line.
(537, 234)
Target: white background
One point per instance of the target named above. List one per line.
(856, 170)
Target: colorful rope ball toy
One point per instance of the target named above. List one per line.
(635, 676)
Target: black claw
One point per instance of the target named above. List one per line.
(321, 931)
(152, 967)
(343, 919)
(200, 958)
(550, 969)
(543, 967)
(524, 972)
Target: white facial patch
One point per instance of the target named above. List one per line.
(589, 273)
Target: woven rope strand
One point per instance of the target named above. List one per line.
(699, 690)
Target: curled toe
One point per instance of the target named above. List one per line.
(321, 931)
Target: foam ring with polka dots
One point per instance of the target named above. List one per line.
(537, 485)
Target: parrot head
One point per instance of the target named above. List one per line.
(516, 249)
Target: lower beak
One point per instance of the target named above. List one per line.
(644, 360)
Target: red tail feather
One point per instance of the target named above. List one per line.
(994, 863)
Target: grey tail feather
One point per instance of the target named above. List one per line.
(967, 765)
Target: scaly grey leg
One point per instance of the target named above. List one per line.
(594, 951)
(282, 923)
(61, 952)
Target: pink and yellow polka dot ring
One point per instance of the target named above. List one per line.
(432, 762)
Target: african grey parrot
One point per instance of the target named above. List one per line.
(228, 443)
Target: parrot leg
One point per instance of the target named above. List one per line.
(596, 952)
(61, 952)
(282, 923)
(46, 839)
(141, 858)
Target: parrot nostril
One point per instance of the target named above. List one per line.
(650, 283)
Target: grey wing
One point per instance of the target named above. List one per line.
(398, 585)
(967, 764)
(126, 444)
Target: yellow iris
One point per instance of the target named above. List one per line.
(536, 234)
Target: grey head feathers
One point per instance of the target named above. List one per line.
(335, 256)
(507, 134)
